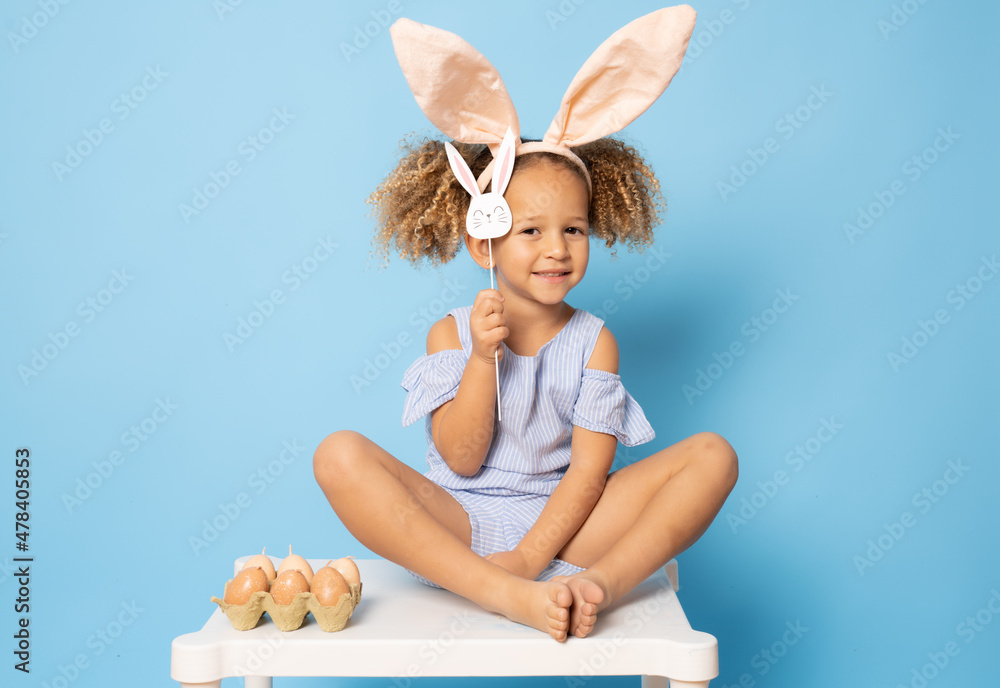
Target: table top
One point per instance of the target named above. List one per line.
(406, 629)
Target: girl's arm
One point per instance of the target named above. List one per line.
(592, 454)
(462, 428)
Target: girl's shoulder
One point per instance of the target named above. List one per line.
(604, 355)
(446, 332)
(600, 348)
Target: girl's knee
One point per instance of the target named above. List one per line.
(336, 454)
(716, 452)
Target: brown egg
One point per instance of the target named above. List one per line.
(245, 584)
(348, 569)
(328, 585)
(264, 562)
(294, 562)
(287, 585)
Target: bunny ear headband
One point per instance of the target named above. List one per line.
(463, 95)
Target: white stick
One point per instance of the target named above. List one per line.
(496, 359)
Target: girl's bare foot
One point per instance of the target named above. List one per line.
(541, 605)
(589, 597)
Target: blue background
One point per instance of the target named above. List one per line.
(214, 78)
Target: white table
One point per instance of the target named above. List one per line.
(403, 629)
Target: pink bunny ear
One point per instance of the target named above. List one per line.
(461, 170)
(503, 167)
(458, 89)
(623, 77)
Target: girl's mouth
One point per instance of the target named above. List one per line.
(553, 276)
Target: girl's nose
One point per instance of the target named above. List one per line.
(555, 246)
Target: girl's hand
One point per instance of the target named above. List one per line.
(488, 325)
(515, 562)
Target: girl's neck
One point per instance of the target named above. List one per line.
(532, 324)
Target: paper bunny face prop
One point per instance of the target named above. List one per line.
(463, 95)
(489, 215)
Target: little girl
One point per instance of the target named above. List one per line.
(521, 515)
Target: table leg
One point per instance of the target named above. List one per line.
(257, 682)
(661, 682)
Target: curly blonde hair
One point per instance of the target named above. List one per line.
(420, 207)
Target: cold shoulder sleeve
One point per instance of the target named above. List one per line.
(605, 406)
(431, 380)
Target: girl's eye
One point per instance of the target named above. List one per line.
(575, 230)
(529, 230)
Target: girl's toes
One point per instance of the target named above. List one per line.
(557, 614)
(558, 629)
(560, 599)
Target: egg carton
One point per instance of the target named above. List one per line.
(288, 617)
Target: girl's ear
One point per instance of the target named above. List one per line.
(479, 250)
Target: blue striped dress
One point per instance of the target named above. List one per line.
(542, 398)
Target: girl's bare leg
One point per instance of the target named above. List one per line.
(406, 518)
(648, 513)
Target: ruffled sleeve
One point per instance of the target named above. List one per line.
(431, 381)
(605, 406)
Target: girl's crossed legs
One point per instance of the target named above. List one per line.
(401, 515)
(648, 513)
